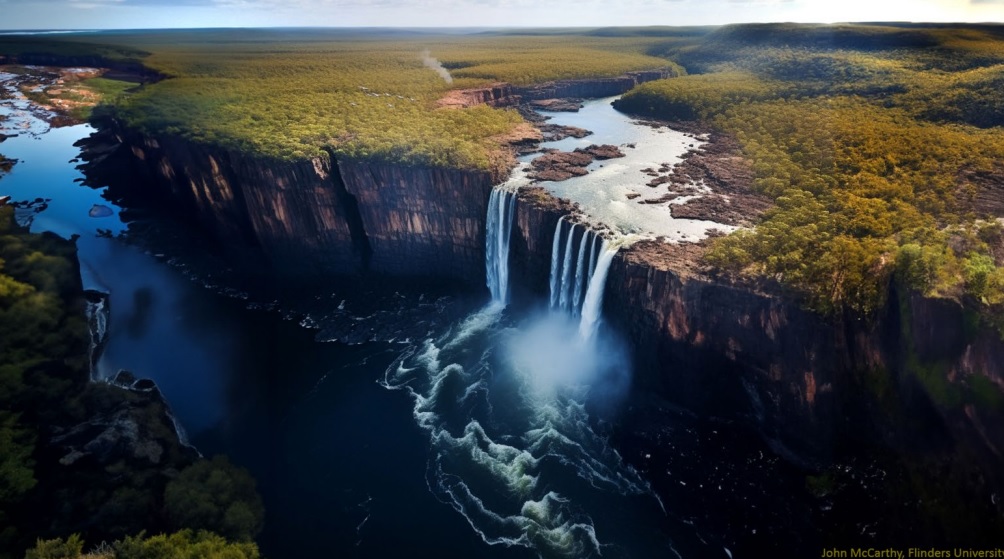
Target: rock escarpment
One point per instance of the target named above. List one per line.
(926, 376)
(495, 95)
(592, 87)
(551, 94)
(322, 217)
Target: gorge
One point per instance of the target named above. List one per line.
(613, 396)
(813, 386)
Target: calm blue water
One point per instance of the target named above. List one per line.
(162, 325)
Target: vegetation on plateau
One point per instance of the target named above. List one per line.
(108, 492)
(878, 142)
(880, 145)
(293, 95)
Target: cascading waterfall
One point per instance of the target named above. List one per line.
(555, 262)
(503, 401)
(501, 206)
(567, 281)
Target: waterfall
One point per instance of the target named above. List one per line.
(593, 305)
(580, 272)
(97, 313)
(555, 262)
(501, 206)
(574, 271)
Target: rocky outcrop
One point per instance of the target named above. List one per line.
(563, 165)
(495, 95)
(592, 87)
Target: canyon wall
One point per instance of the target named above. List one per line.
(924, 371)
(923, 376)
(592, 87)
(323, 217)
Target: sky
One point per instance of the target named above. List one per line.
(143, 14)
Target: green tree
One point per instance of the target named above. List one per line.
(185, 544)
(70, 548)
(215, 495)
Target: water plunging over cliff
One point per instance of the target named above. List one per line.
(497, 235)
(503, 399)
(578, 278)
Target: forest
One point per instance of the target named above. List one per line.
(210, 508)
(879, 143)
(292, 95)
(881, 146)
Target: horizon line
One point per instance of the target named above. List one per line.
(56, 30)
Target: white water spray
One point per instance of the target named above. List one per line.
(592, 307)
(513, 448)
(97, 325)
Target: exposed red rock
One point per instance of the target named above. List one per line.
(557, 166)
(605, 151)
(558, 105)
(711, 207)
(496, 95)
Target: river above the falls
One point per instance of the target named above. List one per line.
(455, 444)
(615, 194)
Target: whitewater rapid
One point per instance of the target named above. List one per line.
(503, 399)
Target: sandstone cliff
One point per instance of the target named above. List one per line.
(592, 87)
(322, 217)
(925, 377)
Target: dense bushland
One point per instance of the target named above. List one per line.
(878, 144)
(293, 95)
(105, 492)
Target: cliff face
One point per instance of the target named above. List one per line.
(422, 221)
(323, 217)
(495, 95)
(592, 87)
(507, 95)
(925, 375)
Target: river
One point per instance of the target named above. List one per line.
(487, 438)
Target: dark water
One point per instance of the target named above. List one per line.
(339, 461)
(484, 432)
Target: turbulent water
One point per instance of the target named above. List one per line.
(504, 401)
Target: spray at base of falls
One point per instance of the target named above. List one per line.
(503, 400)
